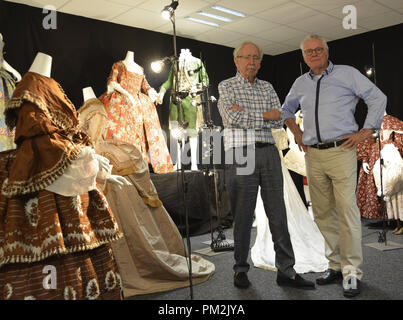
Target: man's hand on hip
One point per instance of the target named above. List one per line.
(352, 140)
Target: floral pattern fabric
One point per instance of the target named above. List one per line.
(7, 86)
(136, 123)
(368, 152)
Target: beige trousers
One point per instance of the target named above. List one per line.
(332, 180)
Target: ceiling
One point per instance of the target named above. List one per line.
(277, 26)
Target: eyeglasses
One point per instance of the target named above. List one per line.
(255, 58)
(318, 50)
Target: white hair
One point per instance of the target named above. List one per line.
(238, 49)
(313, 36)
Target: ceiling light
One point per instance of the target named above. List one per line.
(233, 12)
(203, 21)
(214, 16)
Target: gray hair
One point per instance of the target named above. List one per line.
(238, 49)
(313, 36)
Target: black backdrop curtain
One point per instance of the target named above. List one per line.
(84, 50)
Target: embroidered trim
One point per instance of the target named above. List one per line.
(58, 250)
(60, 118)
(45, 178)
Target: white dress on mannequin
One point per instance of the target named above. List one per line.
(307, 241)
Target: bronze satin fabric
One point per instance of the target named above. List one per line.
(151, 255)
(46, 134)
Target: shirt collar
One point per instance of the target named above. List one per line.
(243, 80)
(327, 71)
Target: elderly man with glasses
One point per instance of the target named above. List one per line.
(250, 108)
(328, 95)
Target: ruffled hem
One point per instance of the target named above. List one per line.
(35, 184)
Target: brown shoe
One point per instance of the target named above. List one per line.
(400, 231)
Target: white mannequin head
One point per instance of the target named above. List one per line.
(129, 56)
(42, 64)
(88, 94)
(185, 53)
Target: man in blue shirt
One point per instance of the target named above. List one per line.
(328, 95)
(249, 108)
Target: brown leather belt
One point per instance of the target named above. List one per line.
(327, 145)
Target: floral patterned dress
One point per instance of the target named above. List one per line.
(368, 152)
(7, 85)
(136, 123)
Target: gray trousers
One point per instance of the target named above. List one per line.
(243, 190)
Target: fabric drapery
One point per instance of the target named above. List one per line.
(151, 256)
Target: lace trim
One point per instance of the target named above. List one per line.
(44, 179)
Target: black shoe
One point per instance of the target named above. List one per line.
(330, 276)
(298, 282)
(241, 280)
(350, 291)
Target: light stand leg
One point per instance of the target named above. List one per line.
(189, 247)
(193, 152)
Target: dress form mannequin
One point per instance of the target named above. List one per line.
(131, 66)
(9, 68)
(129, 103)
(88, 94)
(187, 55)
(8, 80)
(51, 151)
(295, 161)
(42, 64)
(191, 71)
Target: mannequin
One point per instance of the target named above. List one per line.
(294, 159)
(150, 256)
(191, 77)
(8, 79)
(131, 66)
(88, 93)
(368, 152)
(9, 68)
(132, 115)
(49, 189)
(42, 64)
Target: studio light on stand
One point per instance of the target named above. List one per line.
(370, 71)
(168, 13)
(158, 65)
(169, 10)
(218, 242)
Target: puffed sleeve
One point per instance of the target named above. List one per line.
(43, 152)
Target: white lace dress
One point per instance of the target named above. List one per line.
(307, 241)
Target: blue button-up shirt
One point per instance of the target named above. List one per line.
(336, 95)
(246, 127)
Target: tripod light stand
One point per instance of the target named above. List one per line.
(382, 234)
(169, 13)
(219, 242)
